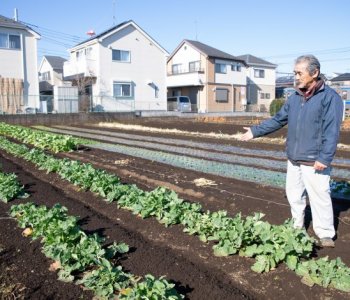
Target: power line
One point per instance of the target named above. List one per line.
(325, 51)
(51, 40)
(63, 34)
(320, 60)
(54, 52)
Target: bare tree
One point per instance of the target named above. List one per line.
(84, 84)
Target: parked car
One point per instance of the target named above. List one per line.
(179, 103)
(287, 92)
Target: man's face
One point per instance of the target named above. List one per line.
(303, 80)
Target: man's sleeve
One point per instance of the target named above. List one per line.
(273, 124)
(331, 121)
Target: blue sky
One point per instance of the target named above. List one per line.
(277, 31)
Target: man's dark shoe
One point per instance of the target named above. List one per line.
(327, 243)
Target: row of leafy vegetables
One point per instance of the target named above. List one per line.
(269, 244)
(74, 252)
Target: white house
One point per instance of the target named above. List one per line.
(214, 81)
(50, 73)
(261, 81)
(123, 69)
(18, 66)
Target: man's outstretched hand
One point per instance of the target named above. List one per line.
(248, 135)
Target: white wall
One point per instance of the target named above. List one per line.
(31, 66)
(85, 63)
(231, 77)
(148, 64)
(269, 79)
(22, 64)
(184, 56)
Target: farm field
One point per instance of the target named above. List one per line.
(234, 176)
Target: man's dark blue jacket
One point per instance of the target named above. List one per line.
(313, 125)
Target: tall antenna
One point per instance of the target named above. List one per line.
(16, 15)
(113, 12)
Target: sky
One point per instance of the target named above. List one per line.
(275, 30)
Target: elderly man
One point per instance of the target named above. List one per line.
(313, 114)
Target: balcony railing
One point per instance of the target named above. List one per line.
(84, 66)
(185, 71)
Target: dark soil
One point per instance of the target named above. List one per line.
(26, 268)
(155, 249)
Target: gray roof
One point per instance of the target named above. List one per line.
(100, 35)
(7, 22)
(56, 62)
(252, 60)
(212, 52)
(342, 77)
(103, 33)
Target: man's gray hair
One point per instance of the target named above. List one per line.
(313, 63)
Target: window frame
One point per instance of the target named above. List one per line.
(8, 41)
(236, 67)
(121, 56)
(123, 83)
(196, 66)
(220, 100)
(259, 73)
(177, 67)
(219, 70)
(46, 76)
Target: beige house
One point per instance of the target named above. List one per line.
(261, 82)
(214, 81)
(18, 66)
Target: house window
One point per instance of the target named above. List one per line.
(264, 95)
(194, 66)
(236, 67)
(79, 54)
(221, 95)
(122, 90)
(10, 41)
(220, 68)
(88, 51)
(121, 55)
(3, 40)
(258, 73)
(45, 76)
(176, 69)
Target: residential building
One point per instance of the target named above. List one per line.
(341, 84)
(261, 81)
(122, 69)
(55, 93)
(50, 73)
(282, 83)
(18, 66)
(341, 80)
(214, 81)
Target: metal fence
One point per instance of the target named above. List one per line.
(31, 104)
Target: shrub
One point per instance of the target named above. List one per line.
(276, 105)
